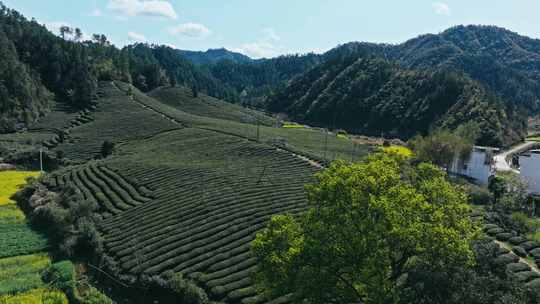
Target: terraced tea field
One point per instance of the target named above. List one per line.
(188, 193)
(194, 207)
(99, 184)
(310, 142)
(116, 120)
(58, 120)
(207, 106)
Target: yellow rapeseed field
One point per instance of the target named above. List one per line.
(292, 125)
(10, 183)
(399, 150)
(36, 296)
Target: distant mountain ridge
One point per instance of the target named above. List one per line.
(506, 63)
(212, 56)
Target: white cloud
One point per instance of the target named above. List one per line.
(259, 50)
(265, 47)
(156, 8)
(136, 37)
(193, 30)
(96, 13)
(55, 26)
(271, 34)
(442, 8)
(172, 46)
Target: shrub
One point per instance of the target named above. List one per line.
(52, 215)
(517, 267)
(525, 223)
(107, 148)
(480, 196)
(94, 296)
(60, 275)
(398, 150)
(535, 236)
(189, 292)
(176, 288)
(54, 298)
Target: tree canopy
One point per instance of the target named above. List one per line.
(368, 95)
(368, 223)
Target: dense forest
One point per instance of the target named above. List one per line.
(370, 96)
(503, 61)
(38, 66)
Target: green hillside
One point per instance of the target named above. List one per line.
(182, 192)
(370, 96)
(207, 106)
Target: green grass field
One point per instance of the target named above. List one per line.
(22, 273)
(22, 257)
(16, 236)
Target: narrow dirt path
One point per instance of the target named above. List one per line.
(532, 264)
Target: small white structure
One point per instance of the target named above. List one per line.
(479, 165)
(530, 169)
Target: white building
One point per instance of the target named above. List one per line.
(530, 169)
(478, 167)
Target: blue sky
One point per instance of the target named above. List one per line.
(268, 28)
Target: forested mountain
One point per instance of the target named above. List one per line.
(35, 62)
(369, 96)
(22, 95)
(505, 62)
(213, 56)
(259, 78)
(156, 66)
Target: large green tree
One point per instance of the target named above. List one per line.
(442, 148)
(367, 225)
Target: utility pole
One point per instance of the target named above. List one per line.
(325, 142)
(41, 159)
(352, 151)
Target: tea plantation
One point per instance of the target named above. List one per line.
(186, 188)
(207, 106)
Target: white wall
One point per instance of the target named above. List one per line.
(477, 167)
(530, 170)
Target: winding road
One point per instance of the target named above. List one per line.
(501, 164)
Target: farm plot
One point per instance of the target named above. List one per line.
(116, 119)
(16, 236)
(206, 106)
(22, 273)
(19, 239)
(210, 192)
